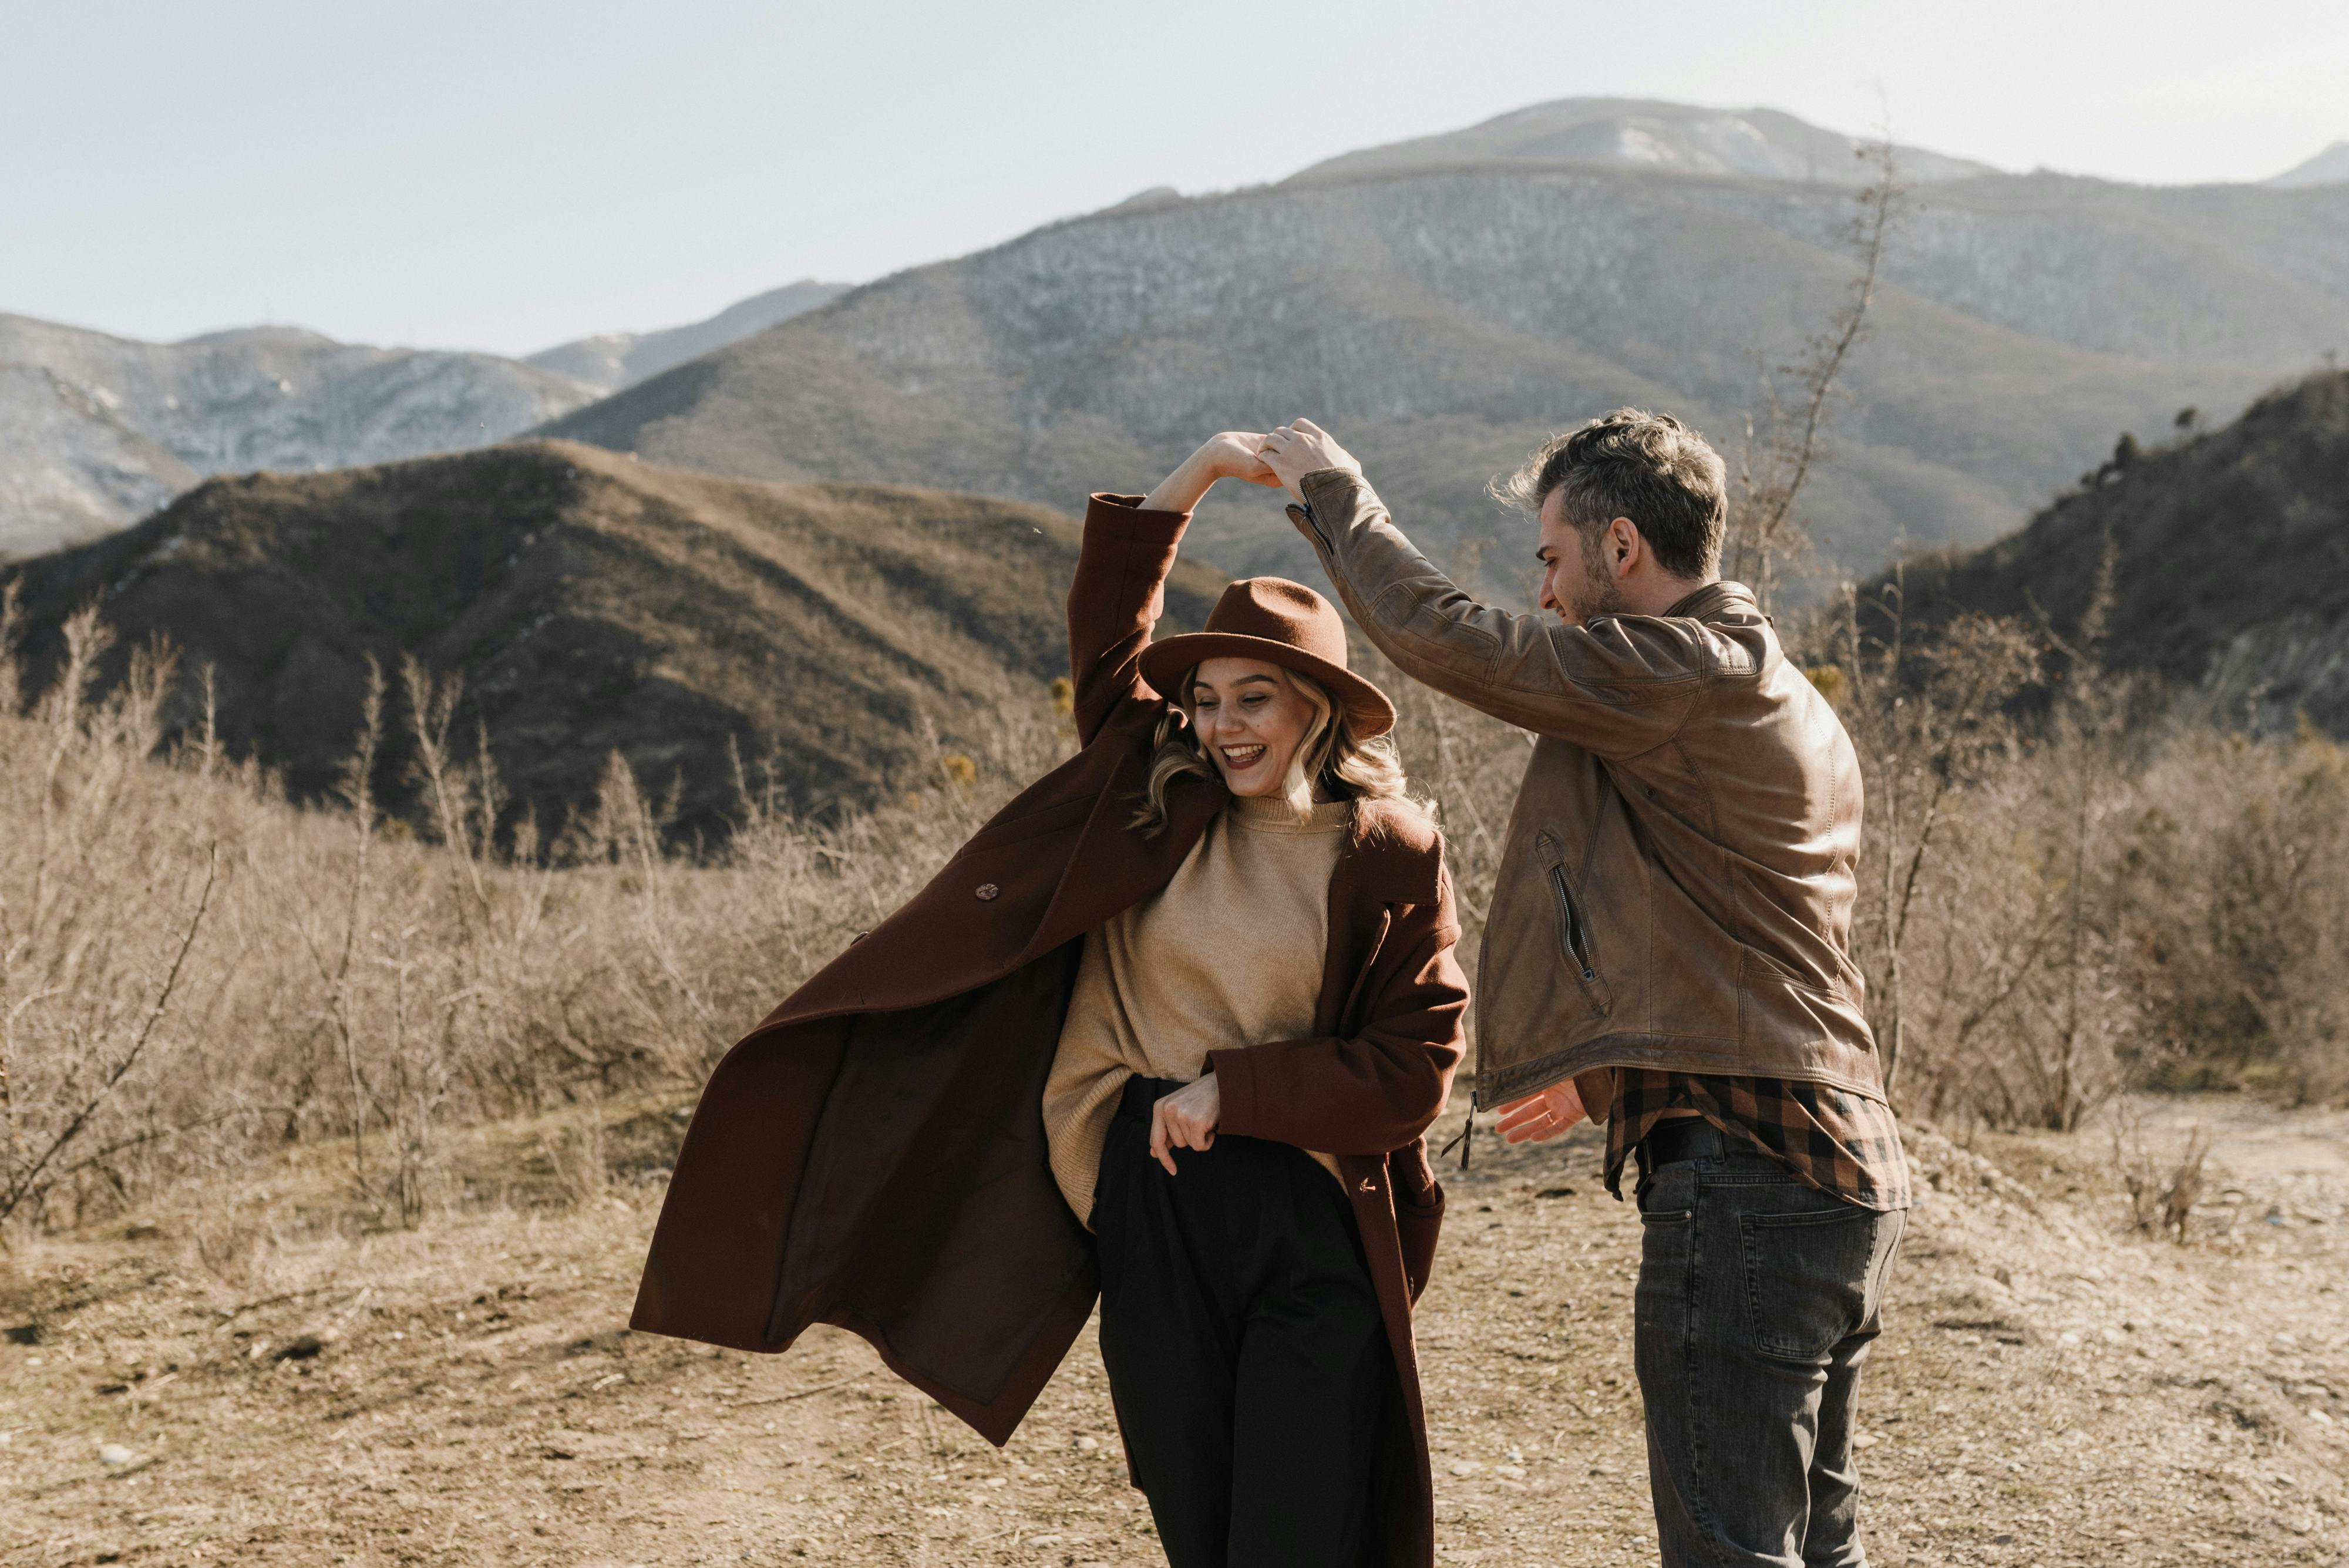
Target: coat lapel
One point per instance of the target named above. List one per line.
(1114, 866)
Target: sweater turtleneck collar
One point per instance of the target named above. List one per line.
(1274, 813)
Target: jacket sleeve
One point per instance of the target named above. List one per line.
(1619, 688)
(1378, 1090)
(1118, 596)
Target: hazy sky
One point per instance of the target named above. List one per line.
(505, 175)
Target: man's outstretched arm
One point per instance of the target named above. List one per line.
(1617, 688)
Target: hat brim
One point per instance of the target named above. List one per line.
(1367, 707)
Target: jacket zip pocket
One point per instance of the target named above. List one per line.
(1581, 951)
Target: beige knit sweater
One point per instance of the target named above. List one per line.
(1228, 954)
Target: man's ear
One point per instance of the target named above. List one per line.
(1625, 545)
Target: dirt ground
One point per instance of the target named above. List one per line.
(227, 1385)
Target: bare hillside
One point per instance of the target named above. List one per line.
(610, 360)
(1441, 319)
(1646, 133)
(2232, 560)
(592, 603)
(98, 430)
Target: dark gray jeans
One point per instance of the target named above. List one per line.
(1757, 1300)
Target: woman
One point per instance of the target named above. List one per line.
(1216, 939)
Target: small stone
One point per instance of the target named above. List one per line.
(114, 1454)
(1465, 1467)
(1514, 1473)
(1864, 1440)
(1087, 1444)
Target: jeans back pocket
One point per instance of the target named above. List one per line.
(1808, 1278)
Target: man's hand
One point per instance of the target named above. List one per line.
(1186, 1119)
(1540, 1116)
(1293, 451)
(1227, 454)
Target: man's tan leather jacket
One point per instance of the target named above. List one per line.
(1676, 888)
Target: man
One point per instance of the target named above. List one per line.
(1669, 945)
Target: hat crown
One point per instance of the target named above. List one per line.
(1278, 610)
(1280, 623)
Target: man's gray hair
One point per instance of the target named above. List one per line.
(1650, 467)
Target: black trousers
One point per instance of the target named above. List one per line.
(1246, 1354)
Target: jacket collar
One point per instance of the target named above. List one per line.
(1717, 601)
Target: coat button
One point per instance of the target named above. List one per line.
(988, 890)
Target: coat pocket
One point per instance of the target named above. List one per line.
(1419, 1214)
(1577, 944)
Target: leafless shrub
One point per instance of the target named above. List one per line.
(2235, 871)
(194, 972)
(2161, 1193)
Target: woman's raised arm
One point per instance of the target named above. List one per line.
(1129, 548)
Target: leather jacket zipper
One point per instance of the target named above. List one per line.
(1577, 937)
(1314, 521)
(1578, 947)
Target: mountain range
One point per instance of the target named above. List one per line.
(96, 431)
(750, 548)
(611, 360)
(2330, 167)
(1442, 317)
(2230, 569)
(596, 604)
(1647, 133)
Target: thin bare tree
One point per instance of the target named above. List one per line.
(1782, 449)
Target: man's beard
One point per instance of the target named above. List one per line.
(1599, 594)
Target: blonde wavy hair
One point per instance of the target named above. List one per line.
(1340, 763)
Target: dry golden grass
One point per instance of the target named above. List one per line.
(193, 974)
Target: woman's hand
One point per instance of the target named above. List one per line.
(1186, 1119)
(1229, 454)
(1543, 1116)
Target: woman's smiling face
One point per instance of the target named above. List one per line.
(1251, 719)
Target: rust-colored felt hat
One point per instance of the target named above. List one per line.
(1282, 623)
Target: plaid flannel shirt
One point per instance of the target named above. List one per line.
(1839, 1142)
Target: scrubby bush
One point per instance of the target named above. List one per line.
(2055, 895)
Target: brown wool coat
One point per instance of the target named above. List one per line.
(873, 1153)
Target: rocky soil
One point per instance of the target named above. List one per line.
(239, 1383)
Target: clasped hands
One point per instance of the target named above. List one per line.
(1281, 459)
(1277, 459)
